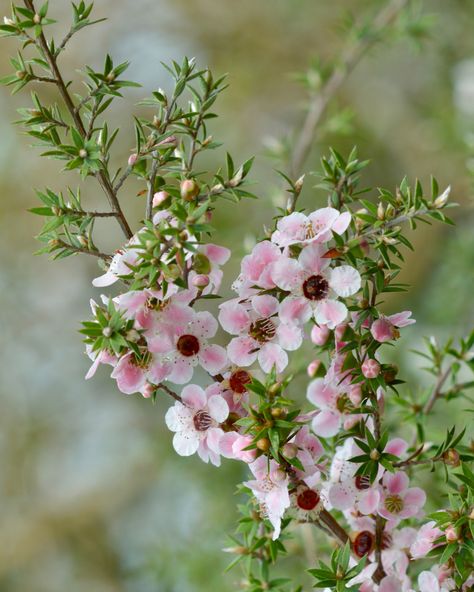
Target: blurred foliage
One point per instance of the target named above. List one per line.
(93, 496)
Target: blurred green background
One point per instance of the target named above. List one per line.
(93, 497)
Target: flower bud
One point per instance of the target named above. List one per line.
(107, 332)
(133, 335)
(390, 373)
(83, 153)
(148, 390)
(189, 189)
(319, 335)
(380, 211)
(313, 368)
(263, 444)
(279, 475)
(374, 454)
(442, 199)
(290, 450)
(201, 281)
(20, 74)
(363, 303)
(8, 21)
(37, 19)
(159, 198)
(132, 159)
(201, 264)
(82, 240)
(451, 534)
(451, 457)
(370, 368)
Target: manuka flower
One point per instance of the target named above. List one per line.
(317, 227)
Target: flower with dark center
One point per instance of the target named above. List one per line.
(152, 303)
(344, 404)
(262, 330)
(308, 499)
(363, 543)
(238, 381)
(188, 345)
(202, 421)
(315, 287)
(394, 503)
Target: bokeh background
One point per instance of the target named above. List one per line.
(93, 498)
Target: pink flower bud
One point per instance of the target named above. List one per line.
(132, 159)
(148, 390)
(200, 281)
(189, 189)
(383, 330)
(313, 368)
(290, 450)
(159, 198)
(371, 368)
(339, 331)
(451, 534)
(319, 335)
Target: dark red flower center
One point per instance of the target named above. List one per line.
(202, 421)
(262, 330)
(308, 499)
(188, 345)
(362, 482)
(238, 380)
(363, 543)
(315, 287)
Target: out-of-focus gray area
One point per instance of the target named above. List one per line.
(93, 498)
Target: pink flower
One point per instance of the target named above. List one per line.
(233, 444)
(270, 487)
(310, 282)
(208, 260)
(185, 346)
(370, 368)
(196, 422)
(121, 264)
(348, 490)
(334, 402)
(255, 269)
(386, 328)
(308, 451)
(132, 374)
(317, 227)
(260, 332)
(398, 501)
(438, 580)
(425, 539)
(99, 357)
(307, 501)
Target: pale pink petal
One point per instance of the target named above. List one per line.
(324, 218)
(107, 279)
(182, 370)
(396, 446)
(159, 342)
(368, 501)
(265, 305)
(271, 355)
(194, 396)
(340, 496)
(428, 582)
(290, 229)
(218, 408)
(158, 370)
(242, 351)
(186, 443)
(130, 377)
(311, 261)
(402, 319)
(319, 335)
(415, 496)
(342, 223)
(295, 310)
(179, 418)
(226, 443)
(213, 437)
(390, 584)
(213, 358)
(289, 336)
(382, 330)
(287, 273)
(396, 483)
(178, 314)
(330, 313)
(216, 254)
(234, 318)
(93, 369)
(345, 280)
(326, 424)
(203, 325)
(321, 394)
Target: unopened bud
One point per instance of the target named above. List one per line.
(189, 189)
(20, 74)
(380, 211)
(37, 19)
(207, 141)
(374, 455)
(313, 368)
(148, 390)
(319, 335)
(263, 444)
(277, 412)
(156, 122)
(442, 199)
(299, 184)
(110, 77)
(370, 368)
(290, 450)
(82, 240)
(200, 281)
(8, 21)
(133, 335)
(237, 178)
(451, 534)
(83, 153)
(217, 189)
(390, 373)
(451, 457)
(132, 159)
(54, 242)
(107, 332)
(171, 141)
(201, 264)
(274, 389)
(279, 475)
(363, 303)
(57, 211)
(159, 198)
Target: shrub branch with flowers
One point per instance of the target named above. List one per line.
(315, 277)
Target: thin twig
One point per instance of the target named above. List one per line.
(101, 175)
(84, 250)
(350, 58)
(170, 392)
(151, 186)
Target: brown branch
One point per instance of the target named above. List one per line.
(63, 245)
(170, 392)
(101, 175)
(350, 58)
(151, 186)
(333, 526)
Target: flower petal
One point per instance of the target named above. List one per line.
(345, 280)
(218, 408)
(271, 355)
(326, 424)
(186, 443)
(213, 358)
(194, 396)
(330, 313)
